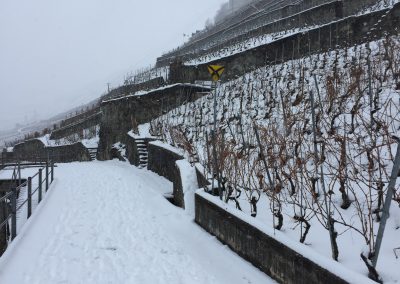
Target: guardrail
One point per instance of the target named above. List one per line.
(27, 161)
(16, 204)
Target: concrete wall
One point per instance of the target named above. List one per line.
(201, 179)
(6, 156)
(270, 256)
(34, 150)
(30, 150)
(68, 153)
(162, 161)
(120, 115)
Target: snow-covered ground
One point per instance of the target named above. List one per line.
(107, 222)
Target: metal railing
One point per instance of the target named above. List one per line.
(17, 203)
(26, 161)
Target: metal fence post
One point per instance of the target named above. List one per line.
(29, 197)
(52, 172)
(40, 185)
(14, 214)
(47, 176)
(19, 172)
(386, 207)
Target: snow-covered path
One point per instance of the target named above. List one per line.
(107, 222)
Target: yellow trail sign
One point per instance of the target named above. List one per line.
(216, 71)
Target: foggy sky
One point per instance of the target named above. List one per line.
(58, 54)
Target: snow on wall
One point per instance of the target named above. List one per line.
(189, 184)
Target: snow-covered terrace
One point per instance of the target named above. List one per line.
(164, 88)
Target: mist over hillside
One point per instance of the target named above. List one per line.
(230, 7)
(58, 55)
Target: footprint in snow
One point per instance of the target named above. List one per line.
(109, 248)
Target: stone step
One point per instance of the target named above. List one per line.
(92, 153)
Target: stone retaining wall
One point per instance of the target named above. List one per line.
(34, 150)
(163, 162)
(269, 255)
